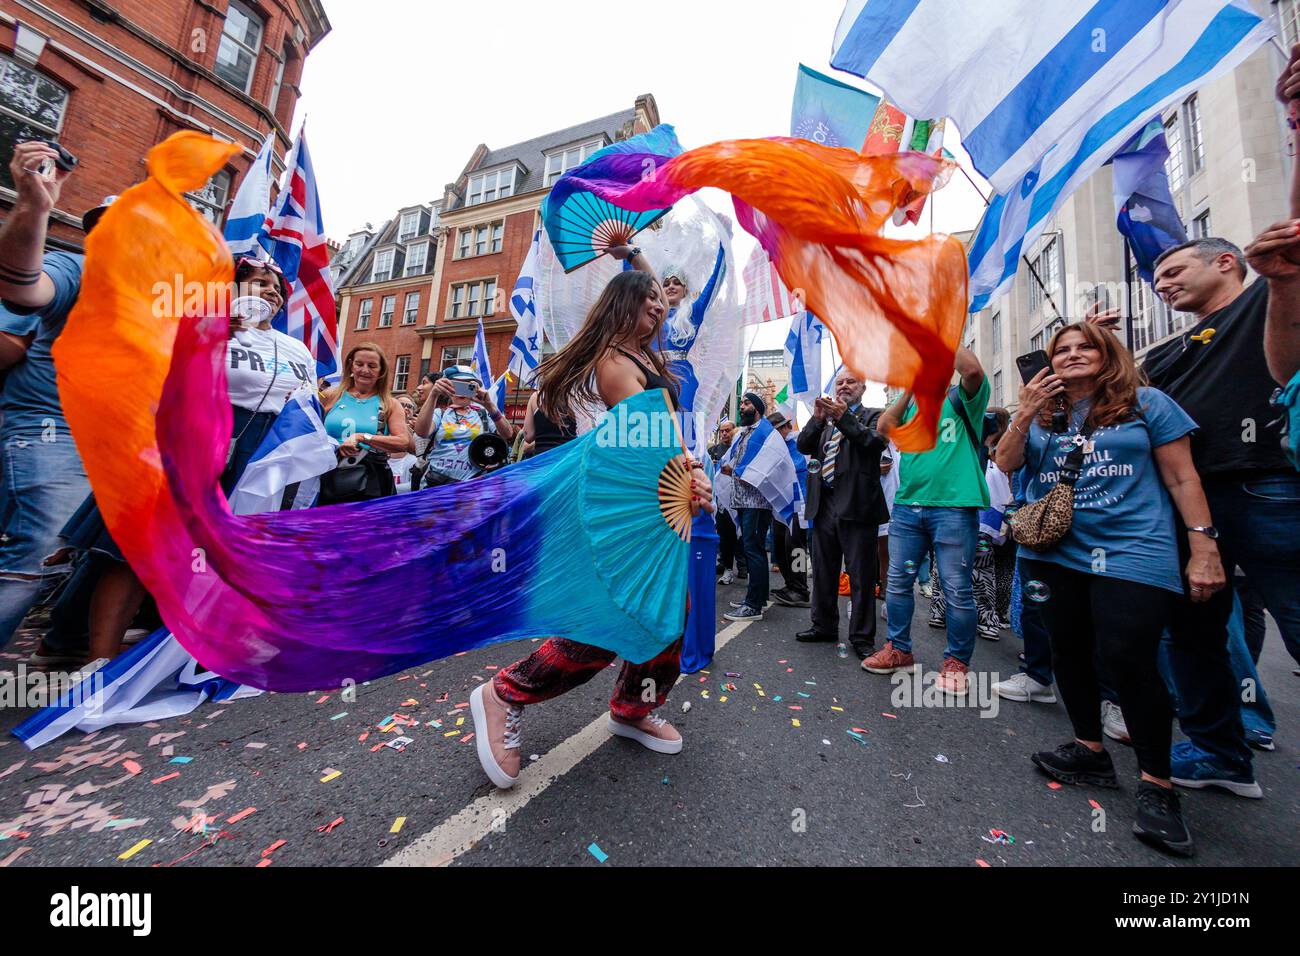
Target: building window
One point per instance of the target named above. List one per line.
(997, 386)
(417, 256)
(457, 355)
(472, 299)
(401, 373)
(412, 311)
(995, 330)
(363, 317)
(487, 187)
(1174, 164)
(382, 270)
(480, 240)
(31, 107)
(1153, 320)
(410, 226)
(1288, 13)
(386, 311)
(561, 161)
(211, 199)
(1036, 343)
(1048, 266)
(240, 38)
(1201, 226)
(767, 358)
(1195, 144)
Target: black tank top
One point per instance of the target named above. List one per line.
(654, 380)
(548, 435)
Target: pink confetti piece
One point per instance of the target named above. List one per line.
(170, 776)
(1053, 785)
(262, 863)
(131, 767)
(14, 856)
(273, 847)
(986, 866)
(329, 827)
(890, 716)
(246, 812)
(1094, 804)
(467, 738)
(322, 698)
(303, 745)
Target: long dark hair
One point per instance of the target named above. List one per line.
(567, 379)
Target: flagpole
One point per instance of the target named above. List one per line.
(1023, 258)
(1128, 294)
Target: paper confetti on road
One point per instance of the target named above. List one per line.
(397, 825)
(600, 855)
(795, 721)
(246, 812)
(170, 776)
(331, 774)
(890, 716)
(131, 767)
(14, 855)
(273, 847)
(1053, 785)
(329, 827)
(134, 850)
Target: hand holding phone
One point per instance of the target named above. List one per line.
(1031, 363)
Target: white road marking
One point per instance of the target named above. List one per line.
(459, 833)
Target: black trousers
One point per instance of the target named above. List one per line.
(837, 541)
(730, 553)
(794, 566)
(1123, 622)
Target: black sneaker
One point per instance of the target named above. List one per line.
(1160, 819)
(790, 598)
(1075, 763)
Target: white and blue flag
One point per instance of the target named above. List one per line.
(1044, 93)
(767, 466)
(296, 450)
(499, 392)
(526, 347)
(249, 220)
(803, 356)
(481, 362)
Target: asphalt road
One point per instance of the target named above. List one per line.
(922, 787)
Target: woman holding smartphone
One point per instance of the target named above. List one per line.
(1140, 533)
(469, 412)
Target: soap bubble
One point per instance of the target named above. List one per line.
(814, 466)
(1037, 591)
(909, 567)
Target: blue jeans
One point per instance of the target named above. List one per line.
(754, 523)
(43, 483)
(953, 534)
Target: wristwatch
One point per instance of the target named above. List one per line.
(1209, 530)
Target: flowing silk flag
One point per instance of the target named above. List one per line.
(830, 112)
(526, 346)
(582, 225)
(299, 247)
(1144, 207)
(1044, 94)
(249, 219)
(803, 355)
(595, 534)
(297, 450)
(894, 306)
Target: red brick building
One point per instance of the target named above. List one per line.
(477, 238)
(111, 78)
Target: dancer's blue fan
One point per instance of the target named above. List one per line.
(583, 227)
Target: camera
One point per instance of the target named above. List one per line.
(65, 160)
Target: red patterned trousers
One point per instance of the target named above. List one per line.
(559, 665)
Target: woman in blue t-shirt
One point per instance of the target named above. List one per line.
(1113, 579)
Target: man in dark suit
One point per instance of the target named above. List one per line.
(846, 508)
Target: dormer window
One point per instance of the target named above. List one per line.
(562, 160)
(487, 187)
(410, 226)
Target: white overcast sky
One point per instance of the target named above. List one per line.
(397, 96)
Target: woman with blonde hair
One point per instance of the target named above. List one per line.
(1112, 580)
(369, 424)
(610, 358)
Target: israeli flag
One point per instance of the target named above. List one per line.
(249, 218)
(482, 364)
(766, 466)
(296, 450)
(499, 392)
(526, 347)
(803, 356)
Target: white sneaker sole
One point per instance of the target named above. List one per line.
(1116, 735)
(1025, 698)
(483, 742)
(648, 741)
(1251, 790)
(743, 617)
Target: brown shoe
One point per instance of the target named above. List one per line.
(952, 677)
(653, 733)
(496, 730)
(889, 660)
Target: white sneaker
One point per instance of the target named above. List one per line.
(1020, 686)
(988, 632)
(728, 577)
(1112, 722)
(740, 604)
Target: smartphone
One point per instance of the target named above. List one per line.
(1031, 363)
(464, 389)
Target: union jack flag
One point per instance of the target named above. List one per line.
(299, 247)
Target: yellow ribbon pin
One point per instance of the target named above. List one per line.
(1203, 337)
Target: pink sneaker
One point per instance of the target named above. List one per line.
(888, 660)
(653, 733)
(496, 735)
(952, 677)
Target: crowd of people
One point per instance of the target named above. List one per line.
(1128, 522)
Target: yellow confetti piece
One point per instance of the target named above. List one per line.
(397, 825)
(331, 775)
(134, 850)
(761, 694)
(452, 733)
(722, 699)
(459, 721)
(840, 709)
(794, 721)
(758, 687)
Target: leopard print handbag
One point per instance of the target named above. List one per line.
(1039, 526)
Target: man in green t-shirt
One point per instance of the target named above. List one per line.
(940, 494)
